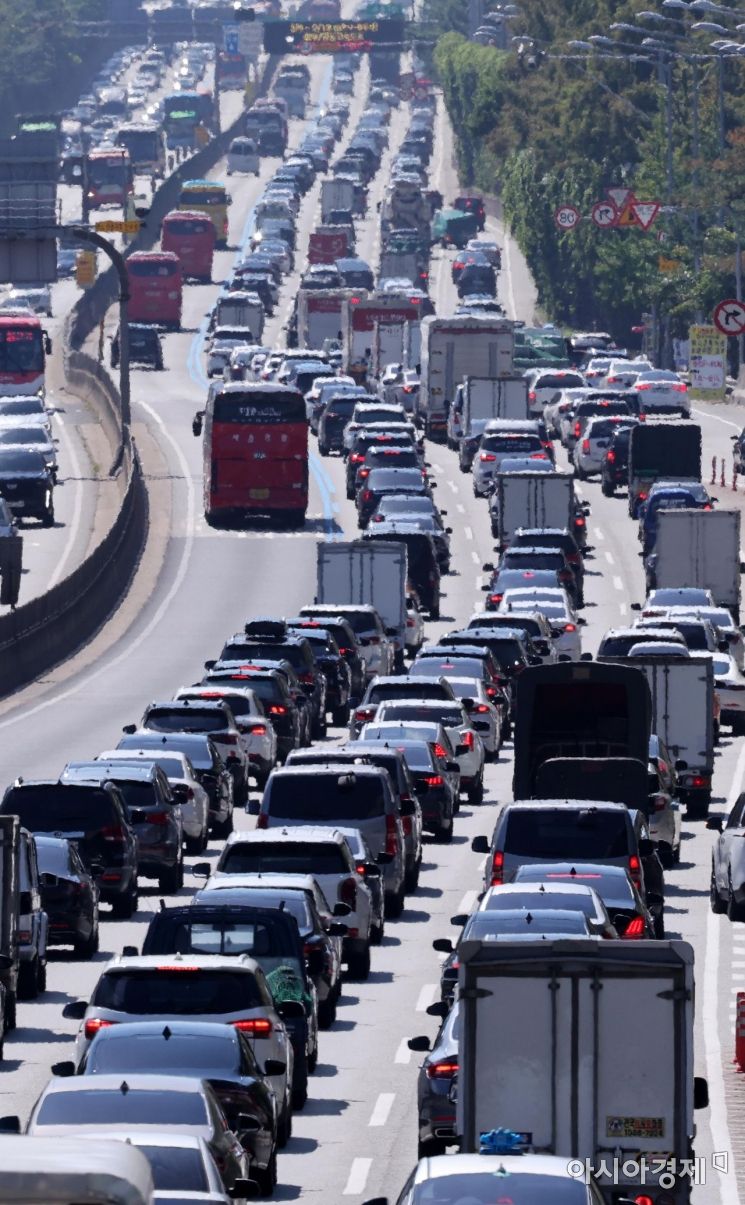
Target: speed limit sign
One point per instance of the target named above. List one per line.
(566, 217)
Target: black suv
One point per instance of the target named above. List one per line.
(269, 640)
(332, 665)
(332, 421)
(145, 347)
(346, 642)
(424, 566)
(614, 471)
(94, 817)
(27, 484)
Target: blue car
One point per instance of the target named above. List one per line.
(689, 496)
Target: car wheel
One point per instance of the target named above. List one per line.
(607, 489)
(266, 1178)
(698, 806)
(412, 876)
(358, 965)
(195, 845)
(89, 947)
(377, 932)
(284, 1128)
(444, 833)
(47, 519)
(659, 927)
(394, 904)
(223, 828)
(327, 1012)
(665, 854)
(300, 1082)
(125, 906)
(340, 716)
(170, 880)
(313, 1059)
(717, 903)
(10, 1012)
(735, 911)
(28, 980)
(476, 790)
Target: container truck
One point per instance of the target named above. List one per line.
(395, 342)
(326, 244)
(662, 450)
(530, 500)
(543, 1052)
(698, 548)
(337, 196)
(358, 326)
(477, 401)
(319, 315)
(367, 573)
(453, 348)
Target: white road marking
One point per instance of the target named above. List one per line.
(598, 534)
(453, 486)
(460, 508)
(73, 523)
(82, 682)
(427, 994)
(358, 1173)
(403, 1054)
(610, 558)
(719, 1122)
(468, 533)
(480, 583)
(383, 1106)
(468, 903)
(718, 419)
(617, 582)
(623, 608)
(475, 556)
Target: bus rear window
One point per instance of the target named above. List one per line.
(151, 267)
(263, 408)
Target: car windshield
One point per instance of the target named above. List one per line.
(179, 991)
(59, 808)
(185, 720)
(108, 1106)
(293, 902)
(480, 1188)
(450, 716)
(176, 1167)
(483, 926)
(346, 795)
(196, 749)
(584, 834)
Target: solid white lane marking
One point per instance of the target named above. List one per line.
(717, 418)
(403, 1054)
(427, 995)
(468, 903)
(719, 1121)
(358, 1173)
(77, 508)
(453, 486)
(618, 583)
(383, 1106)
(468, 533)
(610, 558)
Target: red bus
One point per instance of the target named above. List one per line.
(109, 176)
(155, 288)
(255, 453)
(24, 346)
(190, 236)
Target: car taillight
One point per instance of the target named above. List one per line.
(635, 870)
(439, 750)
(443, 1069)
(363, 474)
(307, 679)
(364, 714)
(612, 380)
(434, 780)
(635, 927)
(356, 458)
(700, 780)
(681, 388)
(532, 395)
(258, 730)
(586, 447)
(497, 868)
(409, 388)
(277, 709)
(495, 598)
(348, 893)
(113, 832)
(642, 495)
(610, 457)
(262, 820)
(366, 495)
(570, 627)
(577, 430)
(481, 708)
(159, 818)
(259, 1027)
(467, 739)
(487, 456)
(641, 387)
(92, 1026)
(391, 836)
(579, 521)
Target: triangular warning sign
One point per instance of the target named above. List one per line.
(621, 197)
(627, 217)
(645, 212)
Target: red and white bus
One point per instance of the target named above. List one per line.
(155, 288)
(24, 346)
(190, 236)
(255, 453)
(110, 179)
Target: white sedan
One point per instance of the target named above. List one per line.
(730, 686)
(481, 711)
(727, 889)
(257, 732)
(555, 605)
(466, 741)
(662, 392)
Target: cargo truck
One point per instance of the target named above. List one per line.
(319, 315)
(326, 244)
(477, 401)
(662, 451)
(530, 500)
(698, 548)
(395, 342)
(337, 196)
(543, 1052)
(367, 574)
(453, 348)
(359, 318)
(401, 265)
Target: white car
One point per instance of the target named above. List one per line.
(727, 889)
(622, 374)
(662, 392)
(555, 605)
(659, 601)
(376, 648)
(482, 713)
(510, 438)
(221, 349)
(729, 682)
(414, 638)
(545, 383)
(407, 391)
(179, 771)
(392, 375)
(256, 729)
(589, 451)
(535, 623)
(466, 741)
(723, 623)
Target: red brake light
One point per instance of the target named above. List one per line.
(307, 678)
(262, 820)
(487, 456)
(159, 818)
(439, 750)
(680, 388)
(357, 457)
(445, 1069)
(610, 457)
(612, 380)
(260, 1027)
(434, 780)
(577, 429)
(468, 739)
(391, 836)
(532, 395)
(579, 521)
(635, 927)
(586, 447)
(481, 708)
(570, 627)
(363, 714)
(277, 709)
(497, 868)
(92, 1026)
(642, 495)
(367, 495)
(258, 729)
(495, 598)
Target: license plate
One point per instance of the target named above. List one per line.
(260, 495)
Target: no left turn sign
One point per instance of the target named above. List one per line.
(566, 217)
(729, 317)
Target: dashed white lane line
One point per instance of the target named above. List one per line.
(74, 521)
(618, 583)
(426, 997)
(468, 902)
(475, 556)
(403, 1054)
(598, 534)
(623, 608)
(358, 1173)
(610, 558)
(383, 1106)
(460, 508)
(468, 533)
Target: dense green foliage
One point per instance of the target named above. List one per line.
(563, 133)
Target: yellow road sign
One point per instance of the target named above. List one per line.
(669, 266)
(111, 227)
(85, 269)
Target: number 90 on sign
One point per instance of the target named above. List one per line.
(566, 217)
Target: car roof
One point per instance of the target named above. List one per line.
(465, 1165)
(135, 1082)
(179, 962)
(584, 805)
(307, 833)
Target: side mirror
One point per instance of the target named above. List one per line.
(75, 1010)
(488, 567)
(585, 657)
(129, 729)
(337, 929)
(247, 1124)
(341, 910)
(63, 1070)
(438, 1009)
(654, 897)
(443, 945)
(372, 870)
(197, 421)
(723, 646)
(274, 1067)
(459, 919)
(461, 750)
(700, 1092)
(202, 870)
(635, 606)
(452, 766)
(47, 344)
(408, 808)
(130, 952)
(10, 1124)
(646, 847)
(681, 765)
(248, 1189)
(480, 844)
(422, 1043)
(714, 823)
(290, 1009)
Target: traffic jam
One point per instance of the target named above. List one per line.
(402, 881)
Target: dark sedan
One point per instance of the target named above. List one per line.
(27, 484)
(387, 481)
(69, 896)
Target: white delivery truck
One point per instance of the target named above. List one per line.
(682, 692)
(319, 315)
(367, 573)
(359, 316)
(239, 309)
(395, 341)
(453, 348)
(400, 265)
(698, 548)
(337, 196)
(477, 401)
(544, 1047)
(530, 500)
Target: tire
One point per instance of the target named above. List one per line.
(313, 1060)
(659, 928)
(666, 856)
(476, 790)
(125, 906)
(47, 519)
(170, 880)
(267, 1179)
(319, 729)
(10, 1013)
(412, 877)
(89, 947)
(434, 611)
(698, 808)
(717, 903)
(444, 834)
(377, 934)
(608, 490)
(323, 449)
(394, 904)
(284, 1129)
(358, 965)
(28, 980)
(223, 828)
(340, 716)
(327, 1012)
(300, 1082)
(195, 845)
(735, 911)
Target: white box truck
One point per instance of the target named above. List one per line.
(453, 348)
(337, 196)
(698, 548)
(477, 401)
(682, 691)
(367, 573)
(544, 1042)
(530, 500)
(395, 341)
(319, 315)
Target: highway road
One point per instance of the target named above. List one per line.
(357, 1136)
